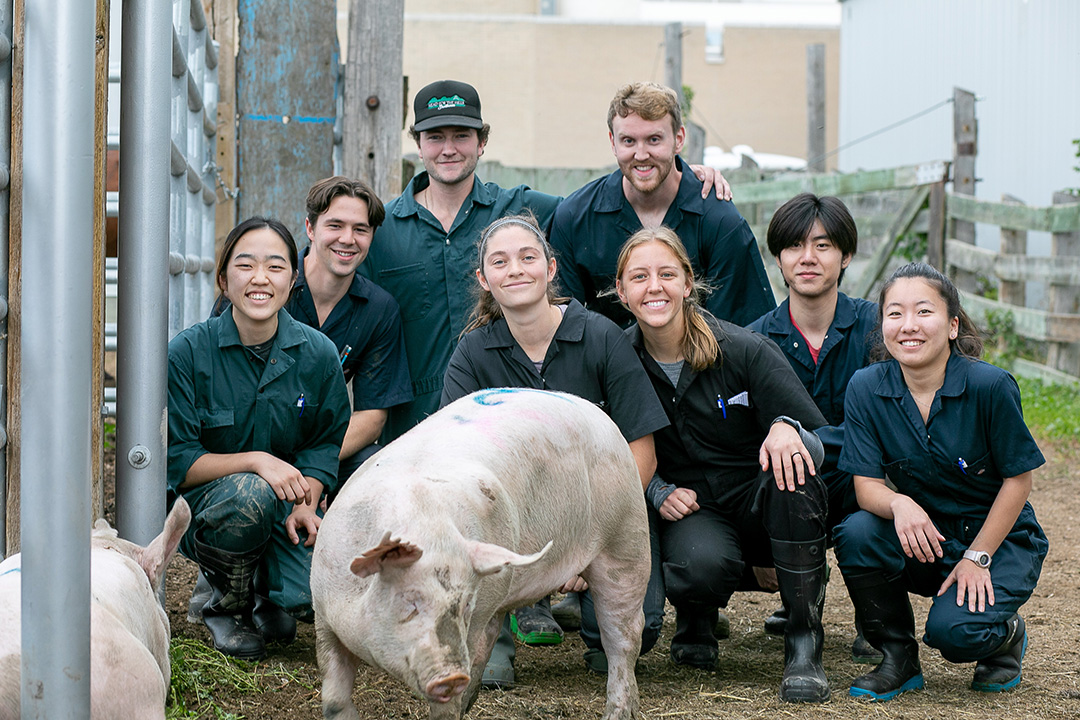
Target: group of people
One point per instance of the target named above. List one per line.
(828, 421)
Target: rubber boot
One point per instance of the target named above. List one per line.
(801, 575)
(227, 614)
(274, 624)
(883, 611)
(567, 612)
(1003, 670)
(776, 623)
(199, 595)
(694, 643)
(533, 624)
(499, 671)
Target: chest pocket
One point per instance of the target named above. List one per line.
(906, 477)
(409, 284)
(216, 428)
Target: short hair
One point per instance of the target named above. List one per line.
(648, 100)
(255, 222)
(793, 220)
(481, 134)
(325, 191)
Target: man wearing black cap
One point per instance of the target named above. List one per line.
(426, 250)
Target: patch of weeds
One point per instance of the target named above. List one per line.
(1051, 410)
(110, 435)
(1005, 344)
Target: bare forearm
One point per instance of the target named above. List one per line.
(874, 496)
(212, 466)
(645, 456)
(365, 426)
(1003, 513)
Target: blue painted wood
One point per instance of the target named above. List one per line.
(285, 91)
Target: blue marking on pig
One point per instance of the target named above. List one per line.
(8, 572)
(489, 397)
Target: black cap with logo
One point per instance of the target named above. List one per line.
(445, 103)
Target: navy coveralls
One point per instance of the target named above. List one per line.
(953, 467)
(845, 350)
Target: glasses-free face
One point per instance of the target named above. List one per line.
(811, 268)
(257, 281)
(915, 324)
(515, 270)
(654, 286)
(450, 154)
(341, 237)
(645, 149)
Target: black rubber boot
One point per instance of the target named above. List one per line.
(227, 614)
(694, 643)
(567, 612)
(883, 611)
(274, 624)
(800, 573)
(533, 624)
(776, 623)
(199, 595)
(1003, 670)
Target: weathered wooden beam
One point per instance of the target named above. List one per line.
(1034, 370)
(97, 270)
(221, 15)
(815, 108)
(13, 505)
(374, 95)
(1013, 268)
(1030, 323)
(900, 227)
(1065, 297)
(935, 231)
(1013, 243)
(1062, 218)
(965, 148)
(847, 184)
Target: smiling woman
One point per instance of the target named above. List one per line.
(257, 413)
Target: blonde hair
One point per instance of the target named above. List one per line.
(699, 345)
(487, 309)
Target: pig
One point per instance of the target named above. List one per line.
(129, 630)
(484, 507)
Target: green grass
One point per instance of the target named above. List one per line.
(110, 435)
(1051, 411)
(197, 672)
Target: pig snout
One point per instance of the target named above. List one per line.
(447, 687)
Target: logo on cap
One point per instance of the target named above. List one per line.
(441, 103)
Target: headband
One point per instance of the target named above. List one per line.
(501, 222)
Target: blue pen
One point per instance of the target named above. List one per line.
(345, 353)
(300, 403)
(962, 465)
(722, 405)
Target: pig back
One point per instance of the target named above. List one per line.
(513, 466)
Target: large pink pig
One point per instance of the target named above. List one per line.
(484, 507)
(129, 630)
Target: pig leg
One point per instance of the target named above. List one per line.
(482, 644)
(338, 667)
(618, 582)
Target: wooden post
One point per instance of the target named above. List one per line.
(1013, 242)
(1064, 298)
(673, 59)
(13, 395)
(285, 75)
(374, 95)
(965, 146)
(815, 108)
(221, 15)
(97, 360)
(935, 230)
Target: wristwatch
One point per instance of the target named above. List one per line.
(980, 558)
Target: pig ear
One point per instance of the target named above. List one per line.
(155, 557)
(488, 558)
(390, 552)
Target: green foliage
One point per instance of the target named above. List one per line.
(688, 101)
(1052, 411)
(198, 672)
(109, 435)
(1005, 344)
(1075, 191)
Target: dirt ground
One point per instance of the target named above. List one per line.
(553, 684)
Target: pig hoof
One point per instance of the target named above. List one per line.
(445, 689)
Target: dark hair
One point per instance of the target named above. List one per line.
(252, 223)
(793, 220)
(699, 345)
(968, 341)
(487, 309)
(649, 101)
(481, 134)
(325, 191)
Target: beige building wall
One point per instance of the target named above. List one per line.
(546, 84)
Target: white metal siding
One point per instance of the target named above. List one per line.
(1020, 57)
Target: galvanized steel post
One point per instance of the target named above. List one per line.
(6, 21)
(56, 344)
(142, 312)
